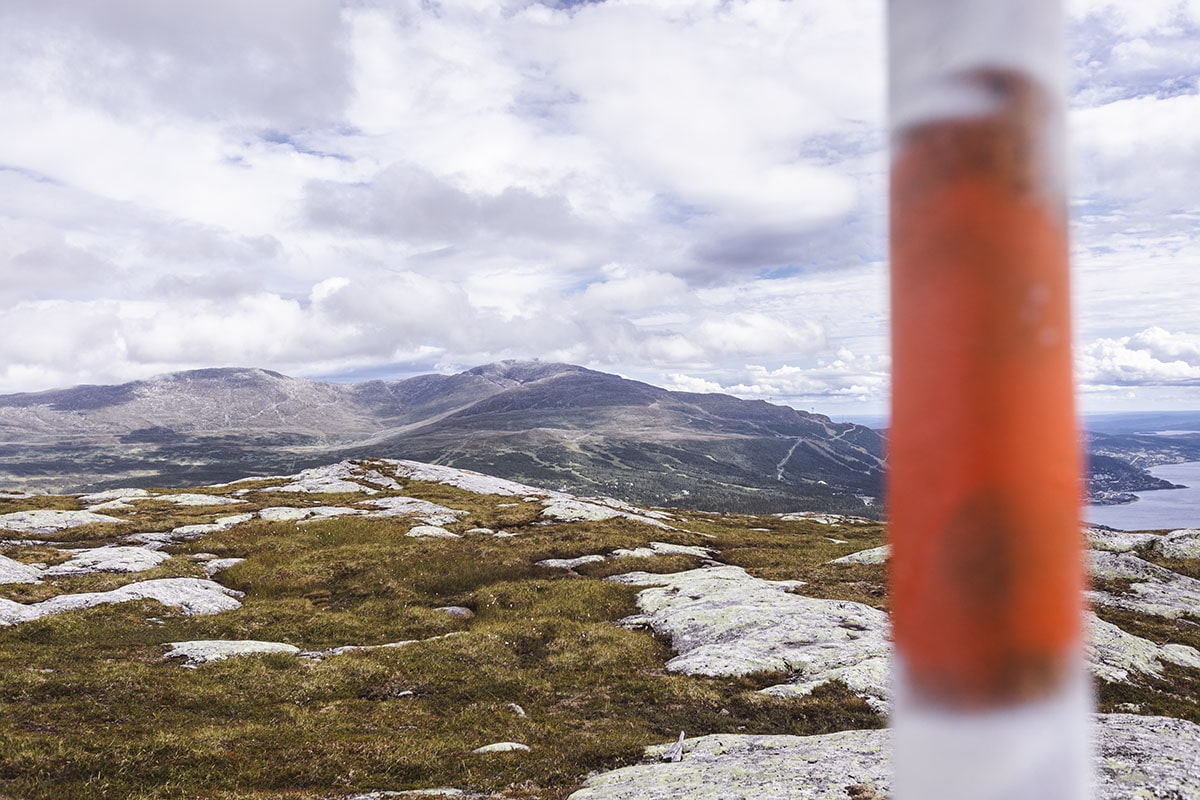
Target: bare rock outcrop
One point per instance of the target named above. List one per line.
(723, 621)
(1135, 757)
(192, 596)
(50, 521)
(1152, 589)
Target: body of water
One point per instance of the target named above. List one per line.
(1165, 508)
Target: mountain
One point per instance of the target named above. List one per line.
(556, 425)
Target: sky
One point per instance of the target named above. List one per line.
(683, 192)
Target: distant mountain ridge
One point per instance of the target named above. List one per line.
(555, 425)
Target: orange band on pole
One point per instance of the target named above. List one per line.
(984, 458)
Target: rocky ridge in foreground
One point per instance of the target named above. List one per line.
(775, 623)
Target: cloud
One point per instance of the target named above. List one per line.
(661, 189)
(1152, 357)
(411, 204)
(623, 291)
(278, 60)
(744, 334)
(847, 377)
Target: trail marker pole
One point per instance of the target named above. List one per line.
(992, 697)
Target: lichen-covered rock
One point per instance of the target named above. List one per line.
(13, 571)
(114, 558)
(183, 533)
(570, 563)
(664, 549)
(110, 495)
(723, 622)
(1116, 656)
(1118, 541)
(433, 531)
(1135, 757)
(1179, 544)
(744, 767)
(572, 510)
(49, 521)
(1153, 589)
(869, 679)
(194, 499)
(427, 512)
(564, 508)
(463, 479)
(291, 514)
(192, 596)
(216, 565)
(332, 478)
(502, 747)
(1147, 757)
(654, 549)
(876, 555)
(824, 518)
(415, 794)
(217, 525)
(193, 654)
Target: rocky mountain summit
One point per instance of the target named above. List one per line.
(380, 628)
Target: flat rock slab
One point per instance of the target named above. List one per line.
(1116, 656)
(1147, 757)
(115, 558)
(663, 549)
(1179, 544)
(49, 521)
(292, 514)
(569, 509)
(431, 531)
(192, 596)
(13, 571)
(159, 539)
(724, 622)
(502, 747)
(1136, 757)
(825, 519)
(427, 512)
(741, 767)
(1153, 589)
(415, 794)
(332, 478)
(876, 555)
(216, 526)
(466, 479)
(1118, 541)
(193, 654)
(655, 549)
(571, 563)
(193, 499)
(109, 495)
(216, 565)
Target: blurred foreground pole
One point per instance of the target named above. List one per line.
(992, 698)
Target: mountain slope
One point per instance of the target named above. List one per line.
(586, 431)
(556, 425)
